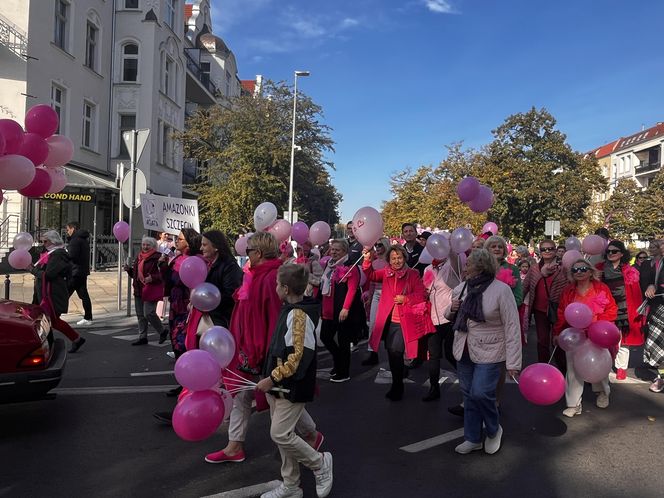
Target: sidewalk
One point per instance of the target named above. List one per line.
(102, 287)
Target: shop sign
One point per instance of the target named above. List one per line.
(169, 214)
(68, 197)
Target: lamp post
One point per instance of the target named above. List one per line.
(292, 154)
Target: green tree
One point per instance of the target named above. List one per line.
(245, 152)
(618, 211)
(649, 209)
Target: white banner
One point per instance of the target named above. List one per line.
(169, 214)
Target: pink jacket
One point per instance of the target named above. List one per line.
(496, 339)
(403, 282)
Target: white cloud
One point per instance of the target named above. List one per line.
(439, 6)
(349, 23)
(308, 28)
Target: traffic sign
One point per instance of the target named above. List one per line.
(552, 228)
(141, 188)
(141, 140)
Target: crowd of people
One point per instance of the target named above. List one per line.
(472, 310)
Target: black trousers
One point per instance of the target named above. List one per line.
(79, 284)
(337, 341)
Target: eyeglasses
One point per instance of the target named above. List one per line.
(613, 251)
(580, 269)
(547, 249)
(642, 257)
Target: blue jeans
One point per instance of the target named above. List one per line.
(478, 384)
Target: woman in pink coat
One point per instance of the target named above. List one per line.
(401, 287)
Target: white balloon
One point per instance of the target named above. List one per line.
(265, 215)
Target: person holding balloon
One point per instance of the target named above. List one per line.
(487, 340)
(402, 288)
(51, 292)
(291, 366)
(623, 280)
(588, 300)
(373, 294)
(148, 290)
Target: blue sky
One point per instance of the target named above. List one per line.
(399, 80)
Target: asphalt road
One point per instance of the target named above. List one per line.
(97, 438)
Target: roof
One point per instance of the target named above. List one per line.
(640, 137)
(249, 86)
(606, 150)
(188, 11)
(214, 44)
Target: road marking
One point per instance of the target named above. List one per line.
(150, 374)
(132, 337)
(433, 441)
(76, 391)
(247, 491)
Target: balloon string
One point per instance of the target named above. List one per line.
(351, 268)
(552, 353)
(514, 379)
(237, 376)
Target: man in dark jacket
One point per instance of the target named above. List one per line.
(79, 252)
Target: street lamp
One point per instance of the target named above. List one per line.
(292, 154)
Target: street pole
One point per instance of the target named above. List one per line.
(132, 201)
(120, 258)
(292, 155)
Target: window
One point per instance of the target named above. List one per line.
(131, 4)
(622, 165)
(61, 31)
(166, 145)
(205, 73)
(169, 12)
(628, 163)
(127, 123)
(58, 102)
(89, 125)
(91, 37)
(130, 62)
(169, 77)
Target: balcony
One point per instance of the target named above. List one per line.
(199, 87)
(13, 38)
(646, 167)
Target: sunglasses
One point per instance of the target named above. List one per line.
(580, 269)
(547, 249)
(613, 251)
(642, 257)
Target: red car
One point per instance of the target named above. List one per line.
(31, 361)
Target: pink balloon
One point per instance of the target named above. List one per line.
(468, 188)
(490, 226)
(591, 362)
(571, 338)
(461, 240)
(572, 244)
(60, 151)
(58, 179)
(39, 185)
(193, 271)
(300, 232)
(13, 135)
(542, 384)
(197, 370)
(121, 231)
(380, 263)
(16, 172)
(482, 201)
(593, 244)
(437, 246)
(281, 230)
(42, 120)
(241, 246)
(578, 315)
(425, 256)
(570, 257)
(19, 259)
(34, 148)
(3, 144)
(198, 415)
(205, 297)
(367, 226)
(220, 343)
(604, 334)
(319, 233)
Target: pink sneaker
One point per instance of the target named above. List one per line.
(221, 457)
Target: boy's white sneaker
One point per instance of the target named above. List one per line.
(324, 476)
(283, 491)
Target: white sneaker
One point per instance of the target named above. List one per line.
(324, 476)
(466, 447)
(170, 354)
(84, 322)
(602, 400)
(571, 411)
(283, 491)
(492, 444)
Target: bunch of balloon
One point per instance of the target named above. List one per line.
(20, 258)
(32, 161)
(203, 405)
(478, 197)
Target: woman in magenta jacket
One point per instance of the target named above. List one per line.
(401, 286)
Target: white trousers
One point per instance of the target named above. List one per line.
(622, 358)
(241, 413)
(574, 385)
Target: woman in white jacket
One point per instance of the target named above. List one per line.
(487, 335)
